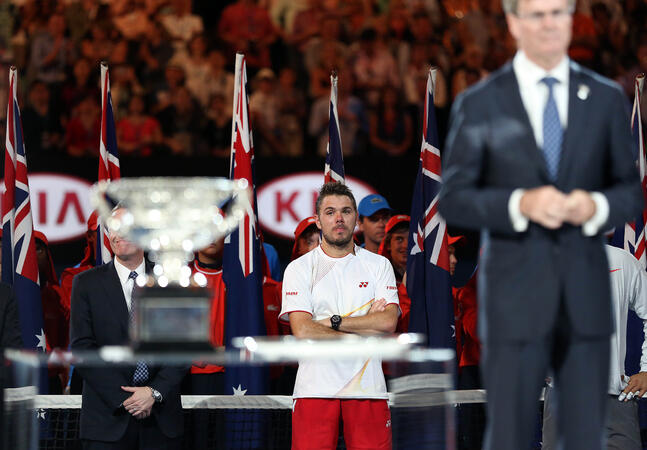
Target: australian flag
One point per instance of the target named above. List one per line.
(428, 281)
(242, 272)
(334, 169)
(108, 158)
(632, 237)
(19, 262)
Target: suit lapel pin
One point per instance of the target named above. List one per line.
(583, 92)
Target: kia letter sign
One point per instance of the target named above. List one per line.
(60, 205)
(285, 201)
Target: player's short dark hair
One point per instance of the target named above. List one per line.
(334, 188)
(511, 6)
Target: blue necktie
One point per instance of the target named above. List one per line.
(553, 132)
(141, 370)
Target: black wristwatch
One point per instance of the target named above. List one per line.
(335, 322)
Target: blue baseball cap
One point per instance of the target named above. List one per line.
(371, 204)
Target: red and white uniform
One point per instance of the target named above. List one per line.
(217, 319)
(323, 286)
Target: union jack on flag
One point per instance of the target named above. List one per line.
(19, 261)
(632, 237)
(108, 158)
(334, 169)
(241, 268)
(428, 280)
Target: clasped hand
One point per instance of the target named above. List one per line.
(551, 208)
(140, 403)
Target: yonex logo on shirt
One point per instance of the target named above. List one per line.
(292, 293)
(363, 284)
(392, 288)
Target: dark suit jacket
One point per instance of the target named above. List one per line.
(99, 317)
(490, 151)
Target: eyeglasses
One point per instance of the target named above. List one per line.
(539, 16)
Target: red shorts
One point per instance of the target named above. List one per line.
(315, 423)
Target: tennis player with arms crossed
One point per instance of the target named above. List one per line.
(335, 289)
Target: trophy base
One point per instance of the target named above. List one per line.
(172, 319)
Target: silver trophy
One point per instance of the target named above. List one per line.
(172, 218)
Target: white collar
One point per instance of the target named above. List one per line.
(123, 272)
(530, 74)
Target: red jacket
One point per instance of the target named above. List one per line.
(217, 318)
(468, 346)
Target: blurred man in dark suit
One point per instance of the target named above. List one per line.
(539, 157)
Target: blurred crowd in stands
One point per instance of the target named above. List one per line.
(171, 68)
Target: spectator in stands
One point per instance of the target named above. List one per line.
(246, 27)
(181, 24)
(97, 45)
(391, 128)
(83, 84)
(469, 71)
(307, 24)
(264, 108)
(331, 58)
(130, 18)
(292, 111)
(197, 69)
(374, 212)
(42, 130)
(123, 86)
(174, 77)
(138, 133)
(314, 54)
(218, 127)
(154, 53)
(374, 67)
(394, 248)
(220, 81)
(84, 128)
(584, 43)
(51, 52)
(182, 124)
(56, 312)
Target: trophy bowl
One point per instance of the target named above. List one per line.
(171, 218)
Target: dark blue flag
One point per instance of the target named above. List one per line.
(243, 276)
(428, 280)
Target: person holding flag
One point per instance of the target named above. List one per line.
(539, 158)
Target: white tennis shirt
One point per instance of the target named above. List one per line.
(628, 291)
(323, 286)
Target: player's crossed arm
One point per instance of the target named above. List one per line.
(381, 318)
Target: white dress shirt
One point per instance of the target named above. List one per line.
(534, 95)
(127, 284)
(628, 291)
